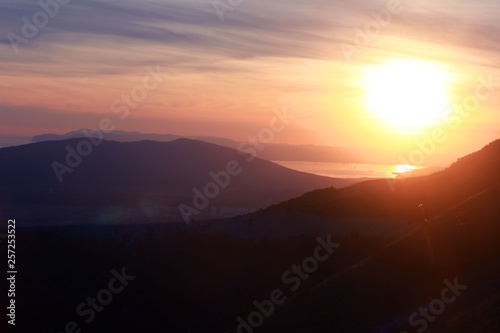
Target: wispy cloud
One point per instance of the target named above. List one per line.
(86, 52)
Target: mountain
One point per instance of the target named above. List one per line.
(10, 140)
(402, 242)
(392, 287)
(408, 255)
(122, 136)
(272, 152)
(395, 198)
(132, 178)
(128, 136)
(454, 243)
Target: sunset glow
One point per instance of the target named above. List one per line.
(250, 166)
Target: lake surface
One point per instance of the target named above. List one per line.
(348, 170)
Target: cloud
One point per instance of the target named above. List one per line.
(113, 35)
(292, 29)
(97, 47)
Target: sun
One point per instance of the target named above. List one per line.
(406, 95)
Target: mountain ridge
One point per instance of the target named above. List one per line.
(164, 173)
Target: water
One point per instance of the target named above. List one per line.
(349, 170)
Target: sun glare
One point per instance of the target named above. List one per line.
(406, 95)
(404, 168)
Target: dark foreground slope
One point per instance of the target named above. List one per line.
(386, 291)
(186, 280)
(457, 226)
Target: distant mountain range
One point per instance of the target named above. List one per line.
(134, 179)
(10, 140)
(272, 152)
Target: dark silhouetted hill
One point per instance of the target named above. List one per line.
(127, 174)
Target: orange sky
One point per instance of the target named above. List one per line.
(224, 78)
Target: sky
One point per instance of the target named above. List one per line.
(226, 65)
